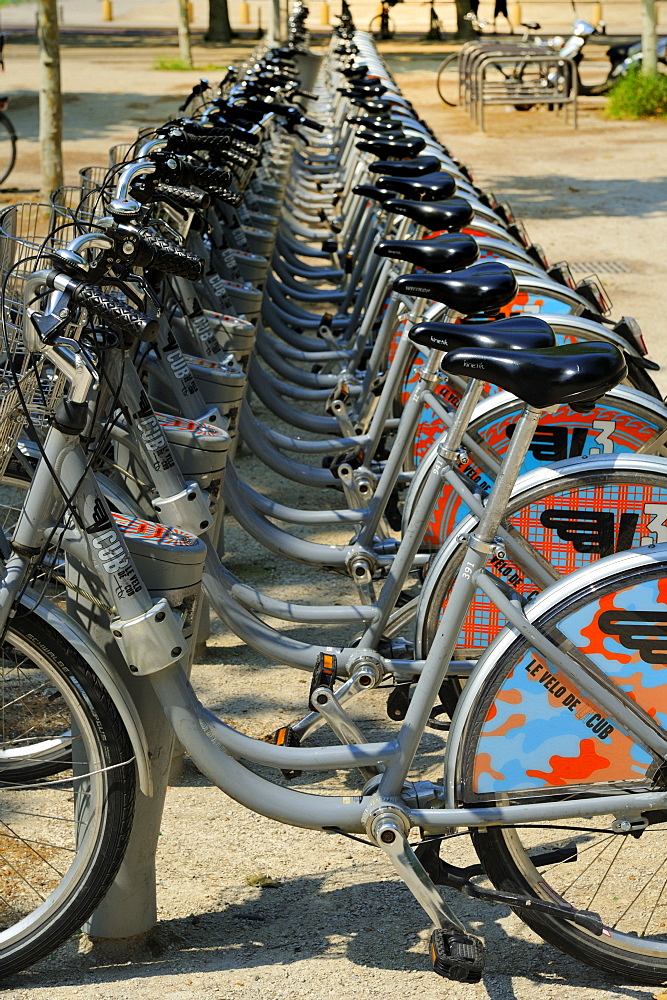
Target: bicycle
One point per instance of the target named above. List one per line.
(387, 809)
(8, 137)
(435, 30)
(382, 25)
(260, 528)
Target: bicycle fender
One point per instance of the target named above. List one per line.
(114, 685)
(560, 736)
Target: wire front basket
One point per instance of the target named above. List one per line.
(83, 208)
(29, 387)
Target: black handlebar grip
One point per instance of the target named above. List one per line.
(121, 318)
(242, 159)
(199, 128)
(250, 151)
(184, 197)
(206, 177)
(220, 128)
(309, 123)
(179, 141)
(229, 198)
(166, 256)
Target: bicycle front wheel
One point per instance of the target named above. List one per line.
(609, 864)
(62, 837)
(447, 80)
(7, 147)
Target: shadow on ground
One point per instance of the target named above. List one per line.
(575, 197)
(345, 921)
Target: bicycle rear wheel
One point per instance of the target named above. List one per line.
(62, 839)
(447, 81)
(593, 864)
(7, 147)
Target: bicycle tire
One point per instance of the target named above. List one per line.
(59, 850)
(616, 874)
(447, 80)
(7, 147)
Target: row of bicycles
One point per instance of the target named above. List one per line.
(306, 268)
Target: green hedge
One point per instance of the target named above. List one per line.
(638, 96)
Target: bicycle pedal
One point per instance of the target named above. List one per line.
(354, 458)
(457, 955)
(398, 701)
(285, 737)
(324, 675)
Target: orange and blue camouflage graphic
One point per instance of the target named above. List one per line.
(541, 730)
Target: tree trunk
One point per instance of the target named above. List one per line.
(649, 38)
(464, 29)
(50, 99)
(184, 50)
(219, 28)
(276, 23)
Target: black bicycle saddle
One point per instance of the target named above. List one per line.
(383, 121)
(431, 187)
(356, 71)
(373, 192)
(378, 105)
(452, 215)
(416, 167)
(482, 288)
(375, 124)
(392, 134)
(371, 88)
(518, 333)
(393, 147)
(576, 374)
(451, 253)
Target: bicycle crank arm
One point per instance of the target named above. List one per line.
(442, 873)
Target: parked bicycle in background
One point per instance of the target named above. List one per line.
(7, 131)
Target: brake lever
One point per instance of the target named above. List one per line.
(46, 324)
(140, 280)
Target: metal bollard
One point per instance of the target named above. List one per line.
(324, 14)
(107, 10)
(244, 12)
(515, 16)
(129, 909)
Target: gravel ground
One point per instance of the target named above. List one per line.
(336, 922)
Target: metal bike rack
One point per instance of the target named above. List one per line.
(517, 74)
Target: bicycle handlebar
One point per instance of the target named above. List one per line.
(155, 251)
(182, 196)
(204, 176)
(181, 141)
(234, 134)
(122, 319)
